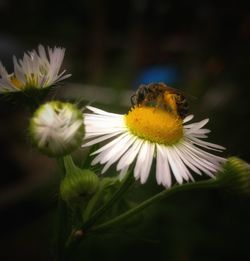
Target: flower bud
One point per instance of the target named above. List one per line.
(235, 176)
(57, 128)
(77, 182)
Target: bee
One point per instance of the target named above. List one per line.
(162, 96)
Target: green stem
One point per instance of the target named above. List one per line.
(69, 164)
(126, 183)
(62, 229)
(62, 219)
(92, 203)
(162, 195)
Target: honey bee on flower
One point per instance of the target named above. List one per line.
(146, 133)
(161, 95)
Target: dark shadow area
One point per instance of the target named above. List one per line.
(201, 47)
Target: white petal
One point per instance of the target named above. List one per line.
(159, 165)
(100, 139)
(173, 166)
(103, 155)
(163, 174)
(206, 144)
(200, 162)
(188, 118)
(93, 135)
(148, 163)
(203, 153)
(114, 154)
(141, 159)
(184, 172)
(186, 161)
(197, 125)
(101, 112)
(114, 142)
(130, 155)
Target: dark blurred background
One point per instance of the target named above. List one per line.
(201, 47)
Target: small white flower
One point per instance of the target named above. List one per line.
(57, 128)
(37, 69)
(146, 133)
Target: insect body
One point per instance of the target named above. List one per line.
(163, 96)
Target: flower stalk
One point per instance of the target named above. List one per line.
(207, 184)
(62, 226)
(125, 185)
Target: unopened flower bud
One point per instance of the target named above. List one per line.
(235, 176)
(57, 128)
(77, 182)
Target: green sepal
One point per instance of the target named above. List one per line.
(77, 182)
(30, 96)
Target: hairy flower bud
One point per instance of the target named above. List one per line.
(235, 176)
(77, 182)
(57, 128)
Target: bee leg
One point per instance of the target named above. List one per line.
(132, 99)
(159, 101)
(170, 101)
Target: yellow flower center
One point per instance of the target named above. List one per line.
(155, 124)
(16, 82)
(31, 81)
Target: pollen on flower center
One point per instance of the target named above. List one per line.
(16, 82)
(155, 125)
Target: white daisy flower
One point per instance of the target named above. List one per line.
(38, 69)
(146, 133)
(57, 128)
